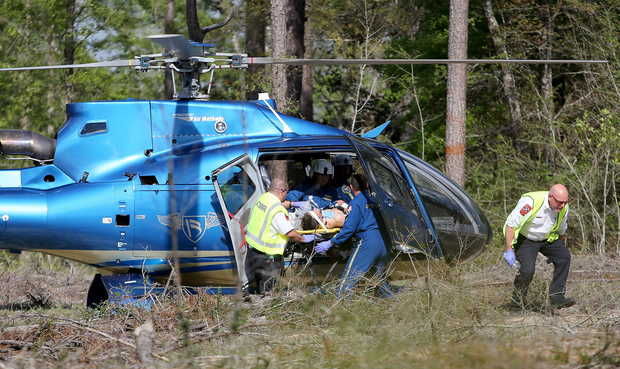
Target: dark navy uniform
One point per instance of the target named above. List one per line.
(369, 249)
(344, 193)
(319, 197)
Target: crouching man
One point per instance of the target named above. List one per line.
(370, 250)
(538, 224)
(267, 234)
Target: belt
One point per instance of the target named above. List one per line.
(522, 237)
(265, 254)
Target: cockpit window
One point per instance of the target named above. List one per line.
(458, 230)
(389, 178)
(94, 127)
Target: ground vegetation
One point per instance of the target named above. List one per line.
(527, 126)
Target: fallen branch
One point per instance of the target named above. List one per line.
(85, 327)
(509, 283)
(18, 344)
(220, 335)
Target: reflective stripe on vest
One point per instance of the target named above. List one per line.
(538, 199)
(259, 233)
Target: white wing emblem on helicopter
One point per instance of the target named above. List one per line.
(194, 226)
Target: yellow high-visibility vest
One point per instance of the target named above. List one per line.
(538, 198)
(260, 235)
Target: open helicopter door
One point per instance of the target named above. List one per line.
(399, 217)
(238, 185)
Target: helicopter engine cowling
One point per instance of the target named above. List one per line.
(23, 218)
(22, 142)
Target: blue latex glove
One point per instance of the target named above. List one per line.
(303, 205)
(509, 256)
(307, 238)
(322, 247)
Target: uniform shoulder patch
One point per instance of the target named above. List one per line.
(525, 209)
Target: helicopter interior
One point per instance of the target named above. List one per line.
(298, 169)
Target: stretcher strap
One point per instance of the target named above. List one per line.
(319, 231)
(316, 217)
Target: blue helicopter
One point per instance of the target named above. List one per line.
(130, 186)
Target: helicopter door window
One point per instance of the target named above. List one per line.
(91, 128)
(236, 188)
(389, 178)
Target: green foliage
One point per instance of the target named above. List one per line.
(568, 133)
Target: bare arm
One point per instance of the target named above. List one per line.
(294, 236)
(510, 236)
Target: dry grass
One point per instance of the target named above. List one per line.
(453, 318)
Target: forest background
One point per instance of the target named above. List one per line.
(527, 125)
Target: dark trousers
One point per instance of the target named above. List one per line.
(262, 270)
(369, 251)
(556, 253)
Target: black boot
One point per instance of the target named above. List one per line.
(560, 302)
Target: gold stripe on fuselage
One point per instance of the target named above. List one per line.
(95, 257)
(224, 277)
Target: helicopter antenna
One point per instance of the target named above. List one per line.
(210, 83)
(264, 97)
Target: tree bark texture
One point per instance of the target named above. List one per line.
(169, 29)
(287, 35)
(457, 96)
(306, 102)
(256, 13)
(193, 25)
(508, 79)
(69, 45)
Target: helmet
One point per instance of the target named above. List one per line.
(342, 160)
(322, 166)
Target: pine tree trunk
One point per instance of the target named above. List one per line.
(69, 45)
(169, 29)
(457, 86)
(256, 13)
(306, 102)
(287, 35)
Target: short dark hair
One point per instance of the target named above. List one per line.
(308, 222)
(359, 182)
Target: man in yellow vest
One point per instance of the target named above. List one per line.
(538, 224)
(267, 234)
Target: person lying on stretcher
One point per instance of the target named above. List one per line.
(323, 219)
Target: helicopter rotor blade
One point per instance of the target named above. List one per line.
(109, 64)
(268, 60)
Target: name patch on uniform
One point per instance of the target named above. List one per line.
(525, 209)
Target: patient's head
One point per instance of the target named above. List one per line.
(309, 222)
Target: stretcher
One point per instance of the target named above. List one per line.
(320, 231)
